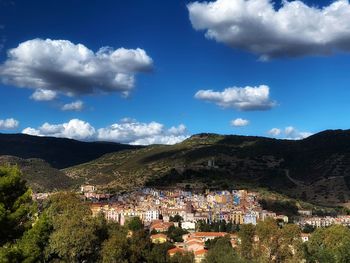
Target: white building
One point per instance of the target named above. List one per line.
(151, 215)
(249, 218)
(188, 225)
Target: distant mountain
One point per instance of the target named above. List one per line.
(58, 152)
(315, 169)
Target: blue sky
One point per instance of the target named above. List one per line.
(310, 91)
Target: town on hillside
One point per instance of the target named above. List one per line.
(192, 218)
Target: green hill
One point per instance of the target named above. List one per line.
(40, 176)
(58, 152)
(315, 169)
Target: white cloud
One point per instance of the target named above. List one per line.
(43, 95)
(181, 129)
(244, 99)
(74, 129)
(8, 124)
(73, 106)
(239, 122)
(295, 29)
(289, 133)
(63, 67)
(294, 134)
(135, 132)
(126, 131)
(274, 132)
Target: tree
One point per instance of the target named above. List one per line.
(16, 206)
(74, 237)
(329, 245)
(135, 224)
(308, 228)
(176, 233)
(116, 248)
(276, 244)
(139, 246)
(186, 257)
(268, 233)
(159, 253)
(34, 242)
(290, 244)
(222, 252)
(176, 218)
(246, 236)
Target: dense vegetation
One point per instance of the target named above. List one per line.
(63, 230)
(40, 176)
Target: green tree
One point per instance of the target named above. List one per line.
(115, 249)
(290, 244)
(246, 236)
(268, 245)
(16, 206)
(186, 257)
(159, 253)
(34, 242)
(139, 246)
(176, 218)
(222, 252)
(308, 228)
(74, 237)
(135, 224)
(176, 233)
(329, 245)
(278, 244)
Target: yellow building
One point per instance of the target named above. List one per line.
(237, 217)
(159, 238)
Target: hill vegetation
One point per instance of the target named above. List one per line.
(39, 175)
(315, 169)
(58, 152)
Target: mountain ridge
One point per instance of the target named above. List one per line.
(315, 169)
(59, 152)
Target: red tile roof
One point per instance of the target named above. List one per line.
(200, 252)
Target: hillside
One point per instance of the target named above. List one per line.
(315, 169)
(58, 152)
(40, 176)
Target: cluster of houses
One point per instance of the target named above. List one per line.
(317, 221)
(237, 207)
(193, 242)
(157, 208)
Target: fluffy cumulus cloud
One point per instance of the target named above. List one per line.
(73, 106)
(134, 132)
(295, 29)
(274, 132)
(8, 124)
(293, 133)
(126, 131)
(244, 99)
(289, 133)
(43, 95)
(61, 66)
(239, 122)
(74, 129)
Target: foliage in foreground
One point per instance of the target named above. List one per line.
(65, 231)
